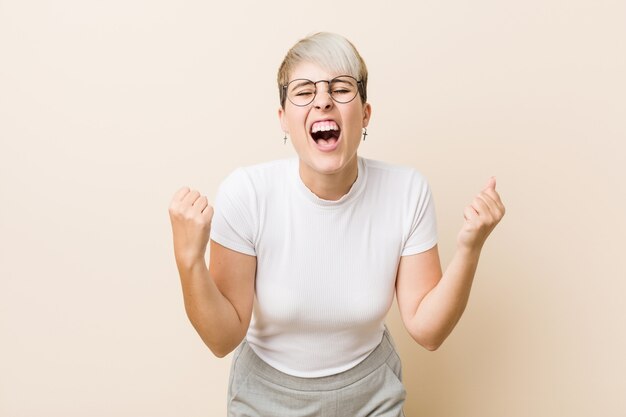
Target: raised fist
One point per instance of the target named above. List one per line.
(481, 217)
(190, 214)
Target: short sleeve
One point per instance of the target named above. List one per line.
(234, 218)
(423, 229)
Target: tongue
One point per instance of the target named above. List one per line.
(326, 142)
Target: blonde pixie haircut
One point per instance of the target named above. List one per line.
(332, 52)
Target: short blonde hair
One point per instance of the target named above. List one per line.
(332, 52)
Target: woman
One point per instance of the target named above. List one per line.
(317, 246)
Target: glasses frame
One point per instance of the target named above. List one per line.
(359, 85)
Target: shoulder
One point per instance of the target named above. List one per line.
(394, 176)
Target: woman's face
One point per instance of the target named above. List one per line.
(334, 155)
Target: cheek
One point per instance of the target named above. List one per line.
(295, 121)
(354, 120)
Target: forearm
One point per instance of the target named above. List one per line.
(440, 310)
(212, 315)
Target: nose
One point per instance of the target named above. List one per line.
(322, 99)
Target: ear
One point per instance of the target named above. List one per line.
(367, 113)
(282, 119)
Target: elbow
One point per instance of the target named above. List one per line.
(430, 343)
(219, 353)
(431, 346)
(430, 337)
(220, 349)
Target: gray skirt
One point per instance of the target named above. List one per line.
(373, 388)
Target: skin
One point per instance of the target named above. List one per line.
(328, 174)
(219, 297)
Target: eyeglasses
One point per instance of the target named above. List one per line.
(343, 89)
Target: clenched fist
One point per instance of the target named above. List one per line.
(190, 214)
(481, 217)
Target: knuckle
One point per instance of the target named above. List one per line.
(174, 209)
(189, 213)
(198, 220)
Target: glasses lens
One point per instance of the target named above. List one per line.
(301, 92)
(343, 89)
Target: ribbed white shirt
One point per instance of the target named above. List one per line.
(326, 270)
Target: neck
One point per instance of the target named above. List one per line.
(330, 186)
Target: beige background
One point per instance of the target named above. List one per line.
(106, 108)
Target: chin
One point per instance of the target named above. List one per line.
(329, 164)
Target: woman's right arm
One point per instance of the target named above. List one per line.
(219, 298)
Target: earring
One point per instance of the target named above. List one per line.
(285, 139)
(364, 133)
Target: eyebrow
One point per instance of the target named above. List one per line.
(302, 83)
(342, 80)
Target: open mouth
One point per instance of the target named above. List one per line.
(326, 134)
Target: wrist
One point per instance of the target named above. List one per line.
(469, 250)
(190, 263)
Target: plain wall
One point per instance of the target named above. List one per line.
(106, 108)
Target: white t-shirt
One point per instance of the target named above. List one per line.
(326, 270)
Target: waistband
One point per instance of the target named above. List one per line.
(249, 360)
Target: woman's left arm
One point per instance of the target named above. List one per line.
(431, 303)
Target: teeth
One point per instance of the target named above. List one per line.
(324, 126)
